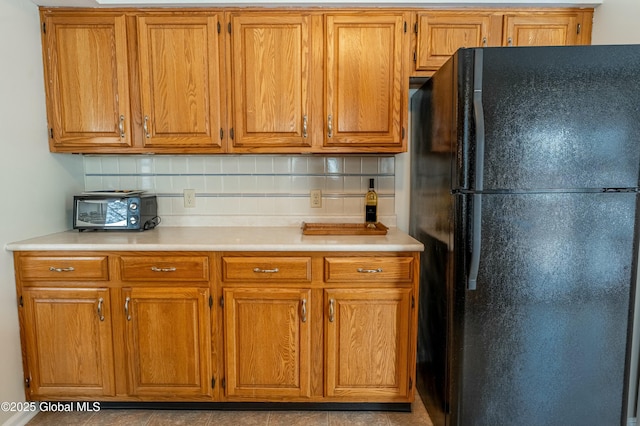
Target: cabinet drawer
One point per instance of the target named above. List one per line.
(164, 268)
(266, 269)
(368, 269)
(64, 268)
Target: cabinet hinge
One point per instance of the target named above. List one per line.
(403, 133)
(229, 27)
(410, 383)
(210, 301)
(222, 305)
(231, 133)
(21, 302)
(413, 302)
(578, 28)
(27, 382)
(221, 133)
(44, 27)
(223, 384)
(219, 28)
(405, 26)
(213, 383)
(51, 132)
(415, 28)
(415, 57)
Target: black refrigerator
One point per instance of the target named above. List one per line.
(525, 166)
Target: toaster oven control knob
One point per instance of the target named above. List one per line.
(133, 207)
(133, 220)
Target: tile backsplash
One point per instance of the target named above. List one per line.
(251, 190)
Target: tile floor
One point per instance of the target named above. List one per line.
(111, 417)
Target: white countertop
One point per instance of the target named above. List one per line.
(284, 238)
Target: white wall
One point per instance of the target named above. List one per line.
(34, 185)
(616, 22)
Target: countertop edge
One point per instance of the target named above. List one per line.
(217, 239)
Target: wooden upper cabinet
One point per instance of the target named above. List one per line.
(439, 33)
(444, 32)
(269, 71)
(365, 82)
(180, 76)
(69, 348)
(87, 81)
(543, 29)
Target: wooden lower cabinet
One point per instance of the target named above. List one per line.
(285, 327)
(168, 338)
(267, 342)
(68, 342)
(367, 343)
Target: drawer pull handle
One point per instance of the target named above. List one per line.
(304, 310)
(156, 269)
(265, 271)
(54, 269)
(100, 315)
(126, 308)
(332, 310)
(369, 271)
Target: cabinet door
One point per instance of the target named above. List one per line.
(440, 34)
(364, 81)
(168, 336)
(367, 341)
(69, 342)
(268, 342)
(87, 83)
(547, 29)
(270, 65)
(180, 81)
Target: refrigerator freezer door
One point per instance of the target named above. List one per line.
(543, 338)
(555, 118)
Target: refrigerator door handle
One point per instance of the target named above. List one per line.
(476, 227)
(476, 223)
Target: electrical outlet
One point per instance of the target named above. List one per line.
(316, 198)
(189, 198)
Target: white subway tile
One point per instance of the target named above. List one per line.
(299, 165)
(282, 165)
(195, 165)
(264, 165)
(213, 184)
(92, 164)
(370, 165)
(162, 164)
(213, 165)
(334, 165)
(109, 164)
